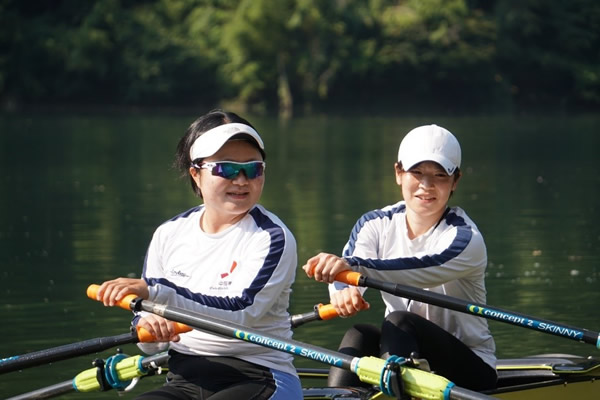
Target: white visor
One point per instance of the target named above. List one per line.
(212, 140)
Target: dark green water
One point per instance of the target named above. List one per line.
(81, 196)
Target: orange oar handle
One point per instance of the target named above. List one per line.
(349, 277)
(326, 311)
(92, 293)
(143, 335)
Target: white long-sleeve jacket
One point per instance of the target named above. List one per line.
(450, 259)
(243, 274)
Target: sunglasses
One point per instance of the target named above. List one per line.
(230, 169)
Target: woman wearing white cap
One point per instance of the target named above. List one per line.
(421, 242)
(228, 258)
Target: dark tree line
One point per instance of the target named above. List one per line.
(303, 55)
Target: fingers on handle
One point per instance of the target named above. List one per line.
(125, 302)
(309, 267)
(145, 337)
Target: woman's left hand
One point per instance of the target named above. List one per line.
(348, 301)
(111, 292)
(325, 267)
(162, 329)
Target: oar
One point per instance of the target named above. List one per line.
(320, 312)
(20, 362)
(72, 350)
(115, 372)
(88, 381)
(392, 377)
(480, 310)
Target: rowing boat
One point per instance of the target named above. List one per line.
(548, 377)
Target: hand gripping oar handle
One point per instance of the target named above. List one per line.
(72, 350)
(142, 334)
(480, 310)
(320, 312)
(372, 370)
(23, 361)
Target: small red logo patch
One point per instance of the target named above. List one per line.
(225, 274)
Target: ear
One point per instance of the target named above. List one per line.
(456, 179)
(195, 174)
(398, 172)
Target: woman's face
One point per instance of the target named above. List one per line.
(228, 200)
(426, 188)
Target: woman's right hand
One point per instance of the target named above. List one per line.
(348, 301)
(113, 291)
(324, 267)
(162, 329)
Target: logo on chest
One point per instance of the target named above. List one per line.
(226, 274)
(178, 273)
(225, 278)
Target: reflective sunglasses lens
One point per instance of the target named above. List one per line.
(226, 170)
(231, 170)
(253, 170)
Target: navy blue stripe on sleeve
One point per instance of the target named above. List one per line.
(266, 271)
(371, 215)
(460, 242)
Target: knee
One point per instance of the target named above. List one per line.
(360, 340)
(399, 317)
(404, 321)
(362, 331)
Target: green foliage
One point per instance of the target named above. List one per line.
(550, 54)
(301, 54)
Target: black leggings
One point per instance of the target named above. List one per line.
(403, 333)
(217, 378)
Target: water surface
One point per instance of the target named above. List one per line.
(82, 194)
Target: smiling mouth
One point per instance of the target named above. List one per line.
(426, 198)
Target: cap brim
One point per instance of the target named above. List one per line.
(212, 140)
(448, 166)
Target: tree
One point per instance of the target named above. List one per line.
(549, 52)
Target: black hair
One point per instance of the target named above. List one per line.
(457, 173)
(208, 121)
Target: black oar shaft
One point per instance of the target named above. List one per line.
(483, 310)
(465, 394)
(89, 346)
(304, 318)
(370, 369)
(95, 345)
(229, 329)
(47, 392)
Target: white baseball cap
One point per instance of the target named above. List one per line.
(213, 139)
(430, 143)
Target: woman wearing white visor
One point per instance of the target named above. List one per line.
(228, 258)
(420, 242)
